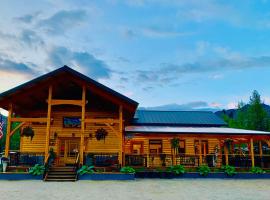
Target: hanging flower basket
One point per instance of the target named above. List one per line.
(101, 134)
(28, 132)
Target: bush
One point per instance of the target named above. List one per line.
(229, 170)
(257, 170)
(86, 170)
(37, 170)
(177, 169)
(127, 170)
(204, 170)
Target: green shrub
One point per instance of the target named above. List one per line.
(141, 169)
(127, 170)
(86, 170)
(204, 170)
(257, 170)
(177, 169)
(229, 170)
(37, 170)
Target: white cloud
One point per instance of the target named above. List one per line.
(232, 105)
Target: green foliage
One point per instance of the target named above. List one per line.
(141, 169)
(229, 170)
(86, 170)
(204, 170)
(257, 170)
(37, 170)
(14, 140)
(177, 169)
(253, 117)
(175, 143)
(127, 170)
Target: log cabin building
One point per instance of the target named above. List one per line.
(83, 121)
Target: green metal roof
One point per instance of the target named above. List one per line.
(177, 118)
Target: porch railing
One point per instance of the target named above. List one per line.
(101, 159)
(17, 158)
(188, 160)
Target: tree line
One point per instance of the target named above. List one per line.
(251, 116)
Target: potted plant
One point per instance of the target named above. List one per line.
(229, 170)
(4, 161)
(176, 170)
(86, 170)
(101, 134)
(127, 170)
(204, 170)
(28, 132)
(37, 170)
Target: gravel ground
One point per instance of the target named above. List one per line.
(140, 189)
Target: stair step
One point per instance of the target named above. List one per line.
(61, 172)
(61, 180)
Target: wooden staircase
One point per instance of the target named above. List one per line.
(61, 174)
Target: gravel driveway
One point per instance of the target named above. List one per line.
(140, 189)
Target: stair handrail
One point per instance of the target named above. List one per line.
(77, 165)
(46, 165)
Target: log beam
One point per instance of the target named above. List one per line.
(10, 111)
(109, 120)
(82, 123)
(16, 128)
(28, 119)
(66, 102)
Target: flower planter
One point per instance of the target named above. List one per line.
(107, 176)
(165, 175)
(19, 176)
(214, 175)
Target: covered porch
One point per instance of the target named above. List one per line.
(213, 146)
(70, 115)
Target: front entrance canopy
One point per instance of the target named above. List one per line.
(192, 130)
(67, 84)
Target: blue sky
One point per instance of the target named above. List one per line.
(192, 53)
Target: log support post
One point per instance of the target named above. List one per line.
(121, 156)
(10, 111)
(226, 151)
(252, 152)
(82, 123)
(200, 152)
(48, 128)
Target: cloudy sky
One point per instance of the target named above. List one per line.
(192, 53)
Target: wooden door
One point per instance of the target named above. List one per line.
(68, 151)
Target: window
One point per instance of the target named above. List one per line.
(137, 147)
(204, 147)
(155, 146)
(182, 146)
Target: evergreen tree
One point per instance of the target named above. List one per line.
(252, 117)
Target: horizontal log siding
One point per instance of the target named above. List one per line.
(166, 143)
(110, 145)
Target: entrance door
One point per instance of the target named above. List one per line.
(68, 151)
